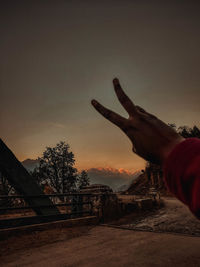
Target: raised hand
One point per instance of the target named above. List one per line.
(151, 138)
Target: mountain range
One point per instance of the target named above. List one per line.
(117, 179)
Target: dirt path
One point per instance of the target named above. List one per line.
(104, 246)
(174, 217)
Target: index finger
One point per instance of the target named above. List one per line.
(124, 99)
(109, 114)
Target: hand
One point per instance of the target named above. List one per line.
(151, 138)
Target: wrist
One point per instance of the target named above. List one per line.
(168, 149)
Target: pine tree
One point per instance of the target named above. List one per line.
(83, 180)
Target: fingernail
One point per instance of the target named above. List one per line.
(94, 102)
(115, 81)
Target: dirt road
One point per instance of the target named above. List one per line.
(174, 217)
(104, 246)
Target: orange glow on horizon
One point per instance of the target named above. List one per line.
(117, 170)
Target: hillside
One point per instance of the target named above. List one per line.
(151, 178)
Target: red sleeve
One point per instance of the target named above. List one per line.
(182, 173)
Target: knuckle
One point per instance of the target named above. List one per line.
(142, 118)
(153, 117)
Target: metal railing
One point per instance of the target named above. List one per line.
(15, 212)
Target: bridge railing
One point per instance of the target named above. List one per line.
(14, 210)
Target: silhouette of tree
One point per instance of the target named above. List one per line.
(83, 179)
(188, 132)
(5, 187)
(56, 167)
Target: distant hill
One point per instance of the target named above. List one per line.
(117, 179)
(30, 164)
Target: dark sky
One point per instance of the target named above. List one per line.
(55, 56)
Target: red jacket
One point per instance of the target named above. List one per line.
(182, 173)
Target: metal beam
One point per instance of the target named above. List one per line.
(23, 182)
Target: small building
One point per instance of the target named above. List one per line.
(96, 188)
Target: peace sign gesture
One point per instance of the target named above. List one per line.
(151, 138)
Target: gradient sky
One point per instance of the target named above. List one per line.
(55, 56)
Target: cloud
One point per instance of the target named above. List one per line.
(110, 176)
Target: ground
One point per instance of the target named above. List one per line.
(174, 217)
(108, 246)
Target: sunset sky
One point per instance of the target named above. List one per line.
(55, 56)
